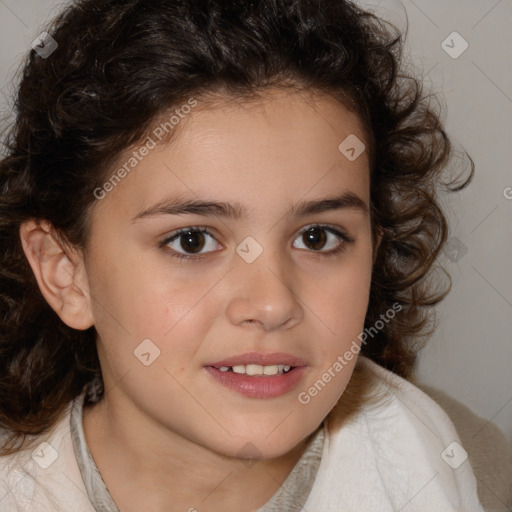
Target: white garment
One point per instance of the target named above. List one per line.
(385, 459)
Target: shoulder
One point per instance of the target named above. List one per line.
(398, 448)
(399, 395)
(489, 451)
(44, 475)
(472, 446)
(379, 395)
(410, 412)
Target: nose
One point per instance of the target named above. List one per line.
(264, 293)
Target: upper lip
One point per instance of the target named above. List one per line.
(261, 359)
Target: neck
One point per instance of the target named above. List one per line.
(156, 469)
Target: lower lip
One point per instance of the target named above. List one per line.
(258, 387)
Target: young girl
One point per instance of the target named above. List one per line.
(219, 221)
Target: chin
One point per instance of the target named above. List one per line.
(262, 446)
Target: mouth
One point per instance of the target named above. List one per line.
(259, 375)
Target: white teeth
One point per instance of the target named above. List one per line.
(254, 369)
(270, 370)
(258, 369)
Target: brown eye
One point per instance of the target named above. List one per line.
(315, 238)
(192, 241)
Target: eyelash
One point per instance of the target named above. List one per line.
(204, 229)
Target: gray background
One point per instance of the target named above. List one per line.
(470, 355)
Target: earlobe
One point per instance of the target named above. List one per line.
(60, 274)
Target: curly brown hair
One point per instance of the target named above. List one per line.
(120, 65)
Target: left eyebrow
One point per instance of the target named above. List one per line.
(346, 200)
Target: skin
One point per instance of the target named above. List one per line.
(167, 436)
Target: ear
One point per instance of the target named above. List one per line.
(60, 273)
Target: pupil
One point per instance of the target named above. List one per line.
(314, 239)
(191, 239)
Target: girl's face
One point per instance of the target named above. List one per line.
(258, 290)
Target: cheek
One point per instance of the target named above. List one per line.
(344, 296)
(131, 306)
(341, 307)
(342, 310)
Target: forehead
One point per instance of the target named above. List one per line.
(282, 146)
(278, 118)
